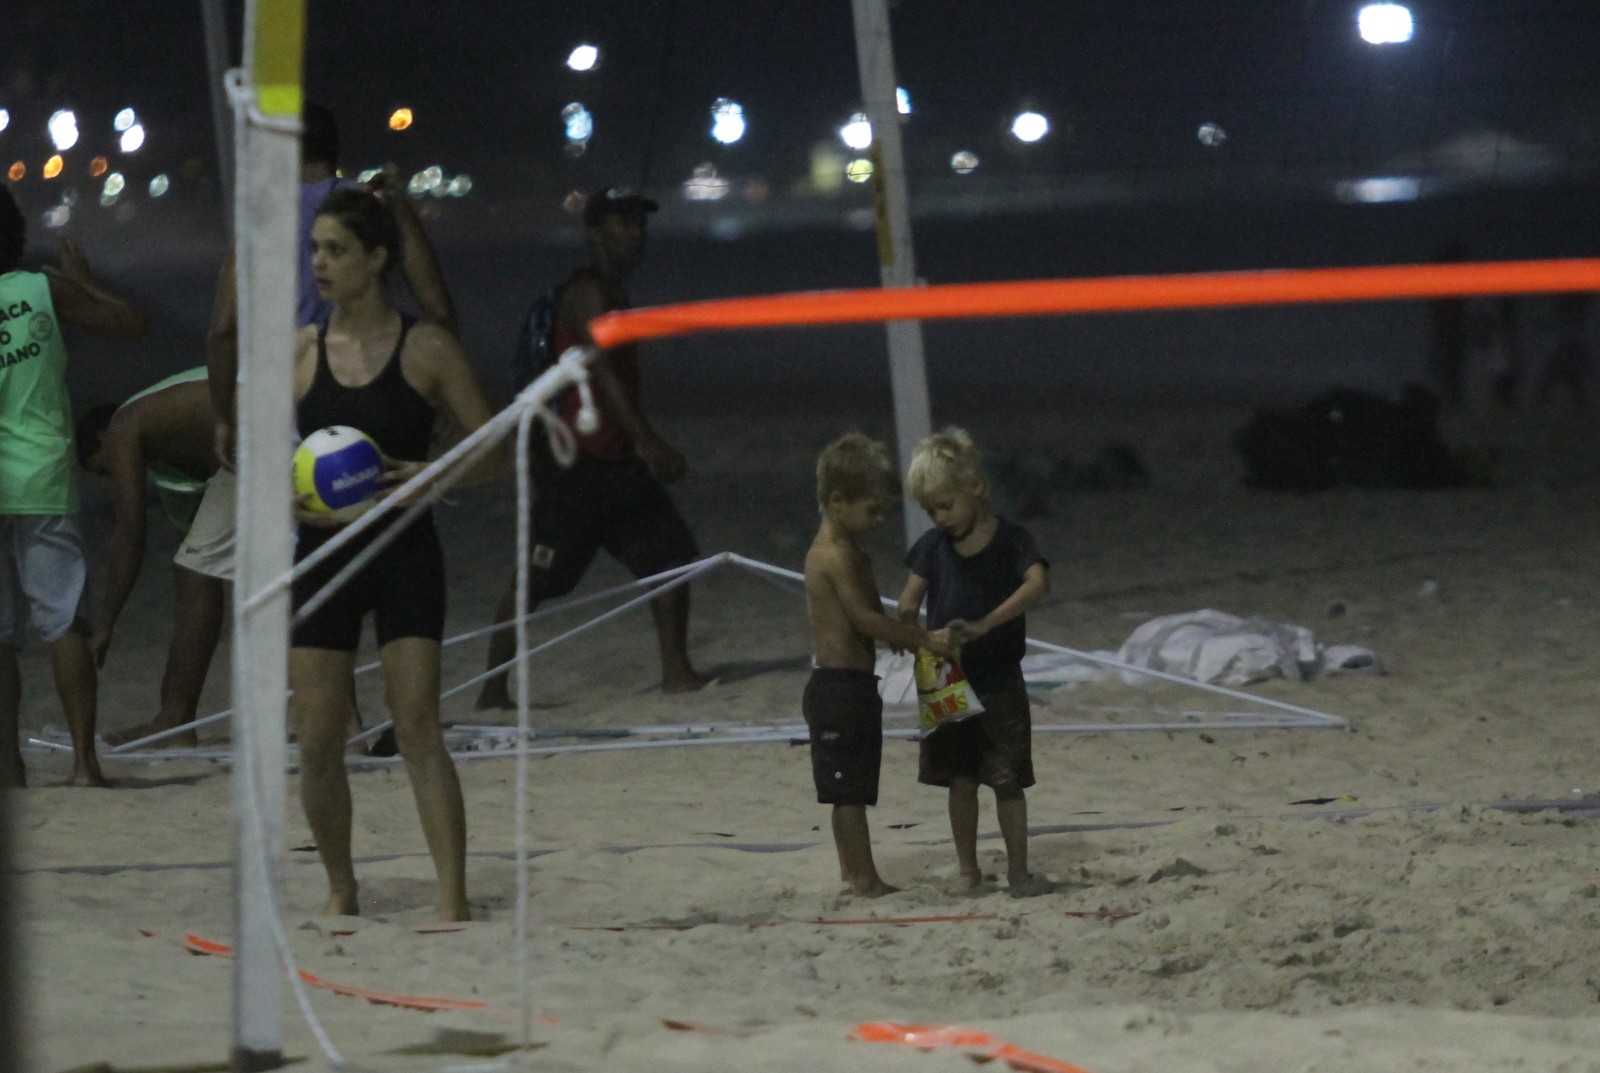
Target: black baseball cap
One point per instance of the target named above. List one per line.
(615, 201)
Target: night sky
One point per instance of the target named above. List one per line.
(1491, 113)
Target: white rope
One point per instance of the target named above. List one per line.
(545, 611)
(1104, 661)
(569, 370)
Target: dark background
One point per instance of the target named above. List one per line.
(1491, 109)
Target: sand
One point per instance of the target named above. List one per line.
(1438, 910)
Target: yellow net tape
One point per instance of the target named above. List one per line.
(279, 55)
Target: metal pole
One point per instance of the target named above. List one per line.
(908, 376)
(218, 61)
(267, 259)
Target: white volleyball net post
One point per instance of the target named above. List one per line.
(267, 101)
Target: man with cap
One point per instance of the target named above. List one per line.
(614, 495)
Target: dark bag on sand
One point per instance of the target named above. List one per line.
(1349, 438)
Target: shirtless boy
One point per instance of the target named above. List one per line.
(843, 711)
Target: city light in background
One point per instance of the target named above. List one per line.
(584, 58)
(964, 162)
(1385, 24)
(124, 119)
(579, 124)
(1030, 127)
(63, 129)
(160, 185)
(400, 119)
(132, 139)
(5, 119)
(727, 121)
(857, 132)
(53, 166)
(902, 101)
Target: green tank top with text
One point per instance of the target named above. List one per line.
(36, 475)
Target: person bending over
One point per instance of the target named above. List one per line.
(161, 438)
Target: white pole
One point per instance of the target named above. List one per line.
(267, 257)
(908, 377)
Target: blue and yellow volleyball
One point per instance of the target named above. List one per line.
(337, 470)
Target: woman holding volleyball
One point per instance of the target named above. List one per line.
(372, 368)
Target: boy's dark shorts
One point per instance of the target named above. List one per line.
(597, 503)
(845, 716)
(994, 747)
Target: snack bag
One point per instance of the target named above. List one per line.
(943, 695)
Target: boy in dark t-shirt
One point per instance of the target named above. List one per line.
(980, 573)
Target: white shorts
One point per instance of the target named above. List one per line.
(43, 575)
(208, 546)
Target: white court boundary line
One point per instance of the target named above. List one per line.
(1284, 715)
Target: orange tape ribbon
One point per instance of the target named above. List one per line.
(195, 944)
(979, 1045)
(1113, 294)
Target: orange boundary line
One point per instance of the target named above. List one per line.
(195, 944)
(979, 1045)
(1206, 290)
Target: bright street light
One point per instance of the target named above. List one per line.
(1385, 24)
(1030, 127)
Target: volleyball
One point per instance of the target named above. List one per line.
(337, 469)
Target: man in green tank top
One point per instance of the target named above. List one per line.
(43, 572)
(161, 438)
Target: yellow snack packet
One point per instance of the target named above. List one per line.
(943, 693)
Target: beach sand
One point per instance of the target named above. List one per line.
(1422, 916)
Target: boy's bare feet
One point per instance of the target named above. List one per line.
(342, 904)
(453, 913)
(875, 889)
(684, 681)
(187, 740)
(494, 696)
(1028, 886)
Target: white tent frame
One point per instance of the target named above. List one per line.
(1270, 713)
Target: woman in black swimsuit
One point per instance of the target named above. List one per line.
(372, 368)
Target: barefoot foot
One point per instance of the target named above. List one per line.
(341, 905)
(493, 697)
(687, 681)
(1028, 886)
(876, 888)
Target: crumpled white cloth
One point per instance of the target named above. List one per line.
(1208, 646)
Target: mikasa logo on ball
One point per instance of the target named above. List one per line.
(349, 480)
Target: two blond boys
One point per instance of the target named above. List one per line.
(979, 574)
